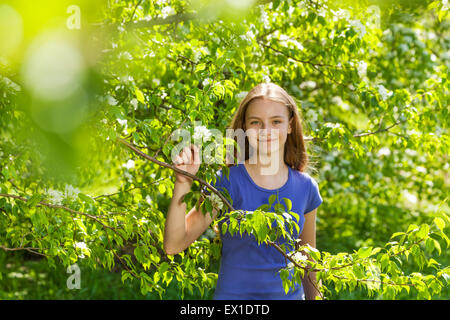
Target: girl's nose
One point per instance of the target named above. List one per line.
(267, 130)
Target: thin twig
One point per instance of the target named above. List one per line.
(166, 165)
(57, 206)
(31, 250)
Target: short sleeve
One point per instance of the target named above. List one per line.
(314, 199)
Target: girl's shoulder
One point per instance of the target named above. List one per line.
(303, 177)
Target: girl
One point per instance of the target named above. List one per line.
(274, 162)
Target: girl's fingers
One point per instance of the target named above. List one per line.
(185, 155)
(188, 155)
(196, 154)
(178, 161)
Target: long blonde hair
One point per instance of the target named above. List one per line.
(295, 154)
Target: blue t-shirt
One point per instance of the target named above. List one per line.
(248, 270)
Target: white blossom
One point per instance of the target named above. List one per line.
(125, 55)
(290, 10)
(308, 84)
(385, 151)
(340, 14)
(128, 176)
(167, 11)
(409, 197)
(134, 103)
(201, 133)
(111, 100)
(197, 56)
(421, 169)
(129, 165)
(82, 246)
(123, 123)
(216, 201)
(249, 36)
(384, 93)
(298, 256)
(56, 196)
(297, 44)
(362, 68)
(127, 78)
(206, 82)
(264, 19)
(359, 27)
(411, 152)
(71, 192)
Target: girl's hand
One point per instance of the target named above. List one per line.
(189, 161)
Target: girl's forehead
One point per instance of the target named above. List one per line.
(266, 108)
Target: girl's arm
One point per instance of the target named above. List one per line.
(181, 229)
(308, 236)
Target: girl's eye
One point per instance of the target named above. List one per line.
(256, 122)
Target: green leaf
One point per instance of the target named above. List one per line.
(200, 67)
(313, 252)
(126, 275)
(139, 95)
(85, 198)
(272, 199)
(288, 204)
(208, 205)
(224, 228)
(423, 231)
(276, 3)
(284, 274)
(437, 246)
(397, 234)
(364, 252)
(375, 251)
(81, 225)
(35, 199)
(440, 223)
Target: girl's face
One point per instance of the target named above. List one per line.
(267, 125)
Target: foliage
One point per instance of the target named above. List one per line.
(373, 91)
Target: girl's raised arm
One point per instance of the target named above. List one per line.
(181, 229)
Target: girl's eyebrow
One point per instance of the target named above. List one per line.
(278, 116)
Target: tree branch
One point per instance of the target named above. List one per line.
(31, 250)
(166, 165)
(57, 206)
(176, 18)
